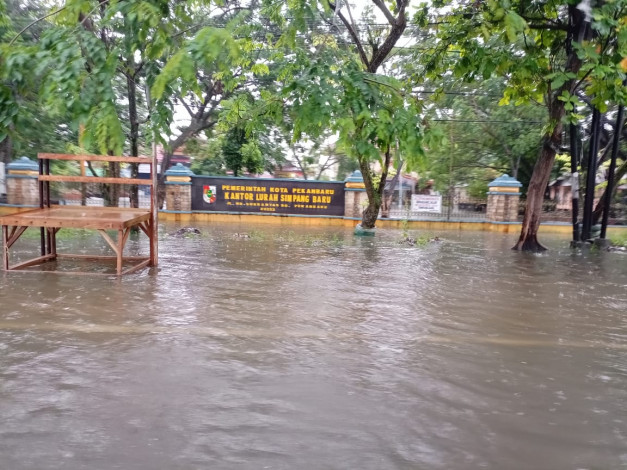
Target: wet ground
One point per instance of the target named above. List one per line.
(268, 348)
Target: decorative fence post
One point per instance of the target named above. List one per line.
(503, 197)
(354, 195)
(178, 192)
(22, 182)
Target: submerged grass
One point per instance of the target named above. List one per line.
(331, 240)
(419, 240)
(619, 240)
(65, 234)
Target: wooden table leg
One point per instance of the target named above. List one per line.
(5, 247)
(54, 241)
(153, 237)
(120, 251)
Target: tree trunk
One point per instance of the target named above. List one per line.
(193, 129)
(618, 175)
(598, 210)
(397, 24)
(375, 195)
(134, 136)
(386, 202)
(165, 165)
(111, 192)
(371, 213)
(528, 240)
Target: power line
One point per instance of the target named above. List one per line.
(462, 93)
(487, 121)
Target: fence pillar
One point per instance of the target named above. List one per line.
(355, 195)
(178, 189)
(503, 197)
(21, 182)
(3, 187)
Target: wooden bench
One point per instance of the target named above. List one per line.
(52, 218)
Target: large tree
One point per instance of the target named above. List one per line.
(26, 127)
(546, 50)
(337, 83)
(120, 69)
(88, 64)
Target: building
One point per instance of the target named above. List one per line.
(560, 191)
(289, 171)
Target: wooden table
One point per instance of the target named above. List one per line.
(54, 218)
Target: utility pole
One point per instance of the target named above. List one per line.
(610, 177)
(574, 179)
(591, 174)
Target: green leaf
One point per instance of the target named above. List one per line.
(514, 24)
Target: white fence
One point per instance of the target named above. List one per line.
(441, 207)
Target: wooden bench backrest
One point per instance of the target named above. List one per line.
(46, 157)
(45, 178)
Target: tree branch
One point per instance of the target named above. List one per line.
(34, 23)
(188, 109)
(352, 33)
(396, 32)
(384, 9)
(329, 162)
(552, 27)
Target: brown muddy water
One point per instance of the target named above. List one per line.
(313, 349)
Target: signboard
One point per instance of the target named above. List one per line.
(426, 203)
(267, 196)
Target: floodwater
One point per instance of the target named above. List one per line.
(312, 349)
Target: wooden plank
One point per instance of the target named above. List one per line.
(92, 208)
(145, 227)
(137, 267)
(32, 262)
(71, 273)
(5, 247)
(40, 184)
(110, 241)
(53, 235)
(100, 257)
(42, 240)
(94, 158)
(48, 241)
(93, 179)
(88, 217)
(154, 213)
(47, 184)
(127, 232)
(120, 251)
(15, 235)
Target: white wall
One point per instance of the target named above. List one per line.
(3, 188)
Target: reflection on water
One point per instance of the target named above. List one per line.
(313, 349)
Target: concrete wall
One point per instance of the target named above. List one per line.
(178, 197)
(502, 207)
(3, 187)
(22, 190)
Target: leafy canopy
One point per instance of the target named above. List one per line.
(528, 44)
